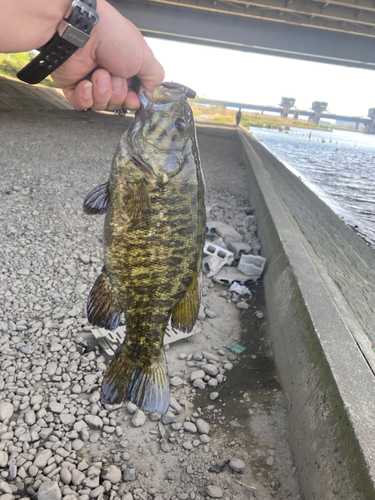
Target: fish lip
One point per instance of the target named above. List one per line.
(174, 85)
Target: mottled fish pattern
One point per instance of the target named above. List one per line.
(153, 243)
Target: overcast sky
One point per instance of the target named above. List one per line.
(257, 79)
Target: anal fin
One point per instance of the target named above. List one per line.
(97, 202)
(185, 314)
(146, 386)
(102, 307)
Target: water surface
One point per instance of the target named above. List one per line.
(339, 166)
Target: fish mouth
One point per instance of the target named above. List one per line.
(173, 85)
(146, 171)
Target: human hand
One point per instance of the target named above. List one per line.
(100, 75)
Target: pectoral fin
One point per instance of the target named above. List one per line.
(138, 203)
(97, 202)
(102, 307)
(185, 314)
(146, 386)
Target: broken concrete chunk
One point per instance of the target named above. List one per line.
(216, 258)
(252, 266)
(227, 232)
(238, 248)
(228, 275)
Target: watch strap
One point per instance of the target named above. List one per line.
(77, 28)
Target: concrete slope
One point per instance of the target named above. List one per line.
(326, 376)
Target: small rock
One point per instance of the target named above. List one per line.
(243, 305)
(112, 474)
(211, 370)
(190, 427)
(3, 458)
(202, 426)
(6, 410)
(188, 445)
(214, 492)
(49, 491)
(236, 465)
(168, 418)
(176, 381)
(214, 395)
(131, 407)
(228, 366)
(56, 407)
(129, 474)
(199, 383)
(210, 314)
(139, 419)
(93, 421)
(197, 374)
(65, 476)
(42, 458)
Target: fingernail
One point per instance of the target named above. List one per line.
(87, 90)
(103, 83)
(117, 85)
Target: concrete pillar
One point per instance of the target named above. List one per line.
(296, 115)
(370, 127)
(318, 108)
(286, 103)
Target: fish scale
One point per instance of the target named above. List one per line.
(153, 243)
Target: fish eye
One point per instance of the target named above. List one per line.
(180, 123)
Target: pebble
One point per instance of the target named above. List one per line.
(168, 418)
(129, 474)
(211, 370)
(197, 374)
(112, 474)
(6, 410)
(236, 465)
(56, 407)
(3, 458)
(214, 492)
(42, 458)
(94, 421)
(131, 407)
(242, 305)
(176, 381)
(214, 395)
(139, 419)
(49, 491)
(65, 476)
(202, 426)
(199, 384)
(190, 427)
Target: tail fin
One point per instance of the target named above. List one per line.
(147, 387)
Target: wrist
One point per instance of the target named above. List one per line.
(27, 24)
(71, 34)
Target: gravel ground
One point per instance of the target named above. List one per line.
(226, 432)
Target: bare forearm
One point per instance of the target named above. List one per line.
(29, 24)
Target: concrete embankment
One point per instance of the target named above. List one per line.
(318, 284)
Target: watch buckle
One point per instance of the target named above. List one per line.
(72, 34)
(86, 8)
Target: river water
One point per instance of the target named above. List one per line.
(339, 166)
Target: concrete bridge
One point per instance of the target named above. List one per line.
(314, 115)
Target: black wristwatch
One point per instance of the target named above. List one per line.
(72, 34)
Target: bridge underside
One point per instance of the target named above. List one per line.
(335, 31)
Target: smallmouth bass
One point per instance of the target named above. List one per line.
(153, 243)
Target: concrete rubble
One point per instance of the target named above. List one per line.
(57, 440)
